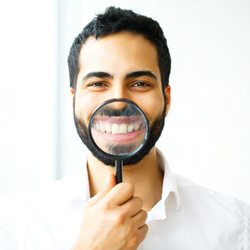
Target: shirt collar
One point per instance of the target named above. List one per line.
(77, 191)
(169, 186)
(169, 181)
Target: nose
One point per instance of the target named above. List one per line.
(119, 90)
(119, 105)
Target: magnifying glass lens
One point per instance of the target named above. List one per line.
(119, 128)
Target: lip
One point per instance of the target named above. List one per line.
(118, 119)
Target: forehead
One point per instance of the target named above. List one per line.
(120, 50)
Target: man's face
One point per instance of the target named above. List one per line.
(122, 65)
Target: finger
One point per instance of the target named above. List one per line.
(137, 238)
(120, 194)
(132, 207)
(140, 218)
(110, 182)
(142, 231)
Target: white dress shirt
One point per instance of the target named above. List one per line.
(187, 217)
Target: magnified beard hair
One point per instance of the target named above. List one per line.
(126, 111)
(155, 132)
(121, 149)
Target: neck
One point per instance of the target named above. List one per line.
(146, 176)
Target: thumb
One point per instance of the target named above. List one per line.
(110, 182)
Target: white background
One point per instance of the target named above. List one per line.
(207, 133)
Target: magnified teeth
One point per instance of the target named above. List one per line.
(137, 126)
(108, 128)
(123, 128)
(102, 127)
(118, 128)
(115, 129)
(130, 128)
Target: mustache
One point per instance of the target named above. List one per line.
(126, 111)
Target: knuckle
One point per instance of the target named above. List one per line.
(135, 240)
(128, 231)
(106, 206)
(87, 205)
(119, 219)
(128, 187)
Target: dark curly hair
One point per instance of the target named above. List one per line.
(115, 20)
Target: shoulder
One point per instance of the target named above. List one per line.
(37, 215)
(195, 193)
(51, 198)
(20, 206)
(213, 205)
(222, 216)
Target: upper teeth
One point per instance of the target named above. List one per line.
(117, 128)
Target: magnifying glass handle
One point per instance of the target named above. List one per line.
(118, 168)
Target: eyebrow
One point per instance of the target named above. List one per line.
(141, 73)
(101, 74)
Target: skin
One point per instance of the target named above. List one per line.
(119, 212)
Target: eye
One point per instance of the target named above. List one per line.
(141, 86)
(96, 85)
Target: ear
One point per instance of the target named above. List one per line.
(72, 92)
(167, 91)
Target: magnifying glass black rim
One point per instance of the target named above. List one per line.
(126, 156)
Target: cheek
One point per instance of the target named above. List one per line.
(84, 106)
(86, 103)
(152, 106)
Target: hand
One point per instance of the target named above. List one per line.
(113, 219)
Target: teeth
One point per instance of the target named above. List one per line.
(130, 128)
(123, 128)
(136, 127)
(117, 128)
(102, 127)
(108, 128)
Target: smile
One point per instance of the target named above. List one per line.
(117, 128)
(118, 125)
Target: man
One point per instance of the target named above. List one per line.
(121, 54)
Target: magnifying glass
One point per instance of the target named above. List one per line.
(119, 129)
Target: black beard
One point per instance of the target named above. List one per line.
(154, 134)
